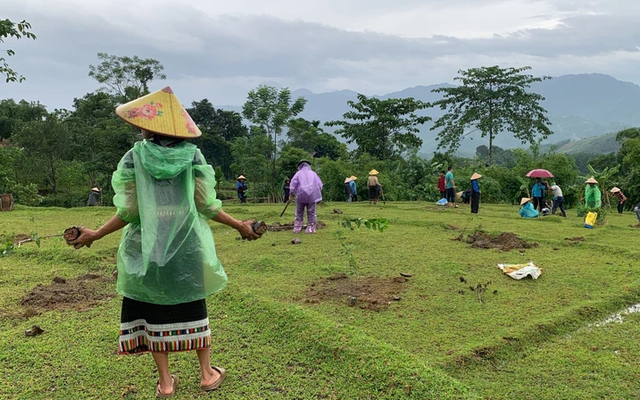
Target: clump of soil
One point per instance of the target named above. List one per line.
(453, 228)
(576, 239)
(81, 293)
(505, 241)
(278, 227)
(369, 293)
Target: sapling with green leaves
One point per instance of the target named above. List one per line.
(376, 224)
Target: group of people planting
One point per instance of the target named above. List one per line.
(167, 262)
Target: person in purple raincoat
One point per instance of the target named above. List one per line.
(307, 187)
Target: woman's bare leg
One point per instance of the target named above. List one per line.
(209, 375)
(164, 376)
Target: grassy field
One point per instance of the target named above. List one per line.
(529, 339)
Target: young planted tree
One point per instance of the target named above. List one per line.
(491, 100)
(126, 77)
(16, 30)
(382, 128)
(271, 109)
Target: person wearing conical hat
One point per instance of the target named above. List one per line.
(527, 210)
(374, 186)
(558, 198)
(94, 197)
(347, 190)
(241, 188)
(307, 187)
(167, 262)
(354, 189)
(592, 194)
(622, 199)
(475, 193)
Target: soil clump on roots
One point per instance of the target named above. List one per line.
(369, 293)
(505, 241)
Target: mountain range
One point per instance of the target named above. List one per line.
(579, 107)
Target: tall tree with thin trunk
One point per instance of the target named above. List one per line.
(126, 77)
(382, 128)
(271, 109)
(491, 100)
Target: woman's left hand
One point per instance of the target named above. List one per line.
(86, 238)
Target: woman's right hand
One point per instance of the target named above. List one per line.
(245, 228)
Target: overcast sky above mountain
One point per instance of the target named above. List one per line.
(221, 49)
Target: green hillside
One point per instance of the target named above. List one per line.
(595, 145)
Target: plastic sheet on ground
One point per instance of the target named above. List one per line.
(442, 202)
(520, 271)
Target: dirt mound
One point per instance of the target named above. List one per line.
(81, 293)
(278, 227)
(368, 293)
(505, 241)
(576, 239)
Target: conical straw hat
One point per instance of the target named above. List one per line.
(374, 172)
(95, 189)
(353, 178)
(615, 190)
(591, 180)
(475, 176)
(160, 112)
(347, 180)
(524, 200)
(241, 177)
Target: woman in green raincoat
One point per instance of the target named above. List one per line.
(592, 194)
(167, 262)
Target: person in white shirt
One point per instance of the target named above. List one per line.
(558, 198)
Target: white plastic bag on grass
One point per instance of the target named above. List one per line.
(520, 271)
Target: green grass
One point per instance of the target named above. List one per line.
(527, 341)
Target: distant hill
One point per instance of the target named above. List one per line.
(579, 106)
(595, 145)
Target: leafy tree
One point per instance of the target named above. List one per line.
(13, 114)
(271, 109)
(382, 128)
(308, 136)
(99, 138)
(219, 128)
(46, 143)
(251, 156)
(491, 100)
(629, 159)
(126, 77)
(16, 30)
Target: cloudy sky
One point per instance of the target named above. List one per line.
(221, 49)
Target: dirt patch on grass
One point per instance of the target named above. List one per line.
(505, 241)
(82, 293)
(369, 293)
(278, 227)
(576, 239)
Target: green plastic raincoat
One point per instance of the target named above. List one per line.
(167, 253)
(592, 196)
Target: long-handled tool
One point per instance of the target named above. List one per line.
(285, 208)
(384, 201)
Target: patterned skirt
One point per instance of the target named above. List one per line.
(163, 328)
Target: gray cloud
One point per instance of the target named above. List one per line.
(222, 52)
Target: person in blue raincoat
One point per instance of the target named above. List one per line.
(241, 187)
(527, 210)
(354, 189)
